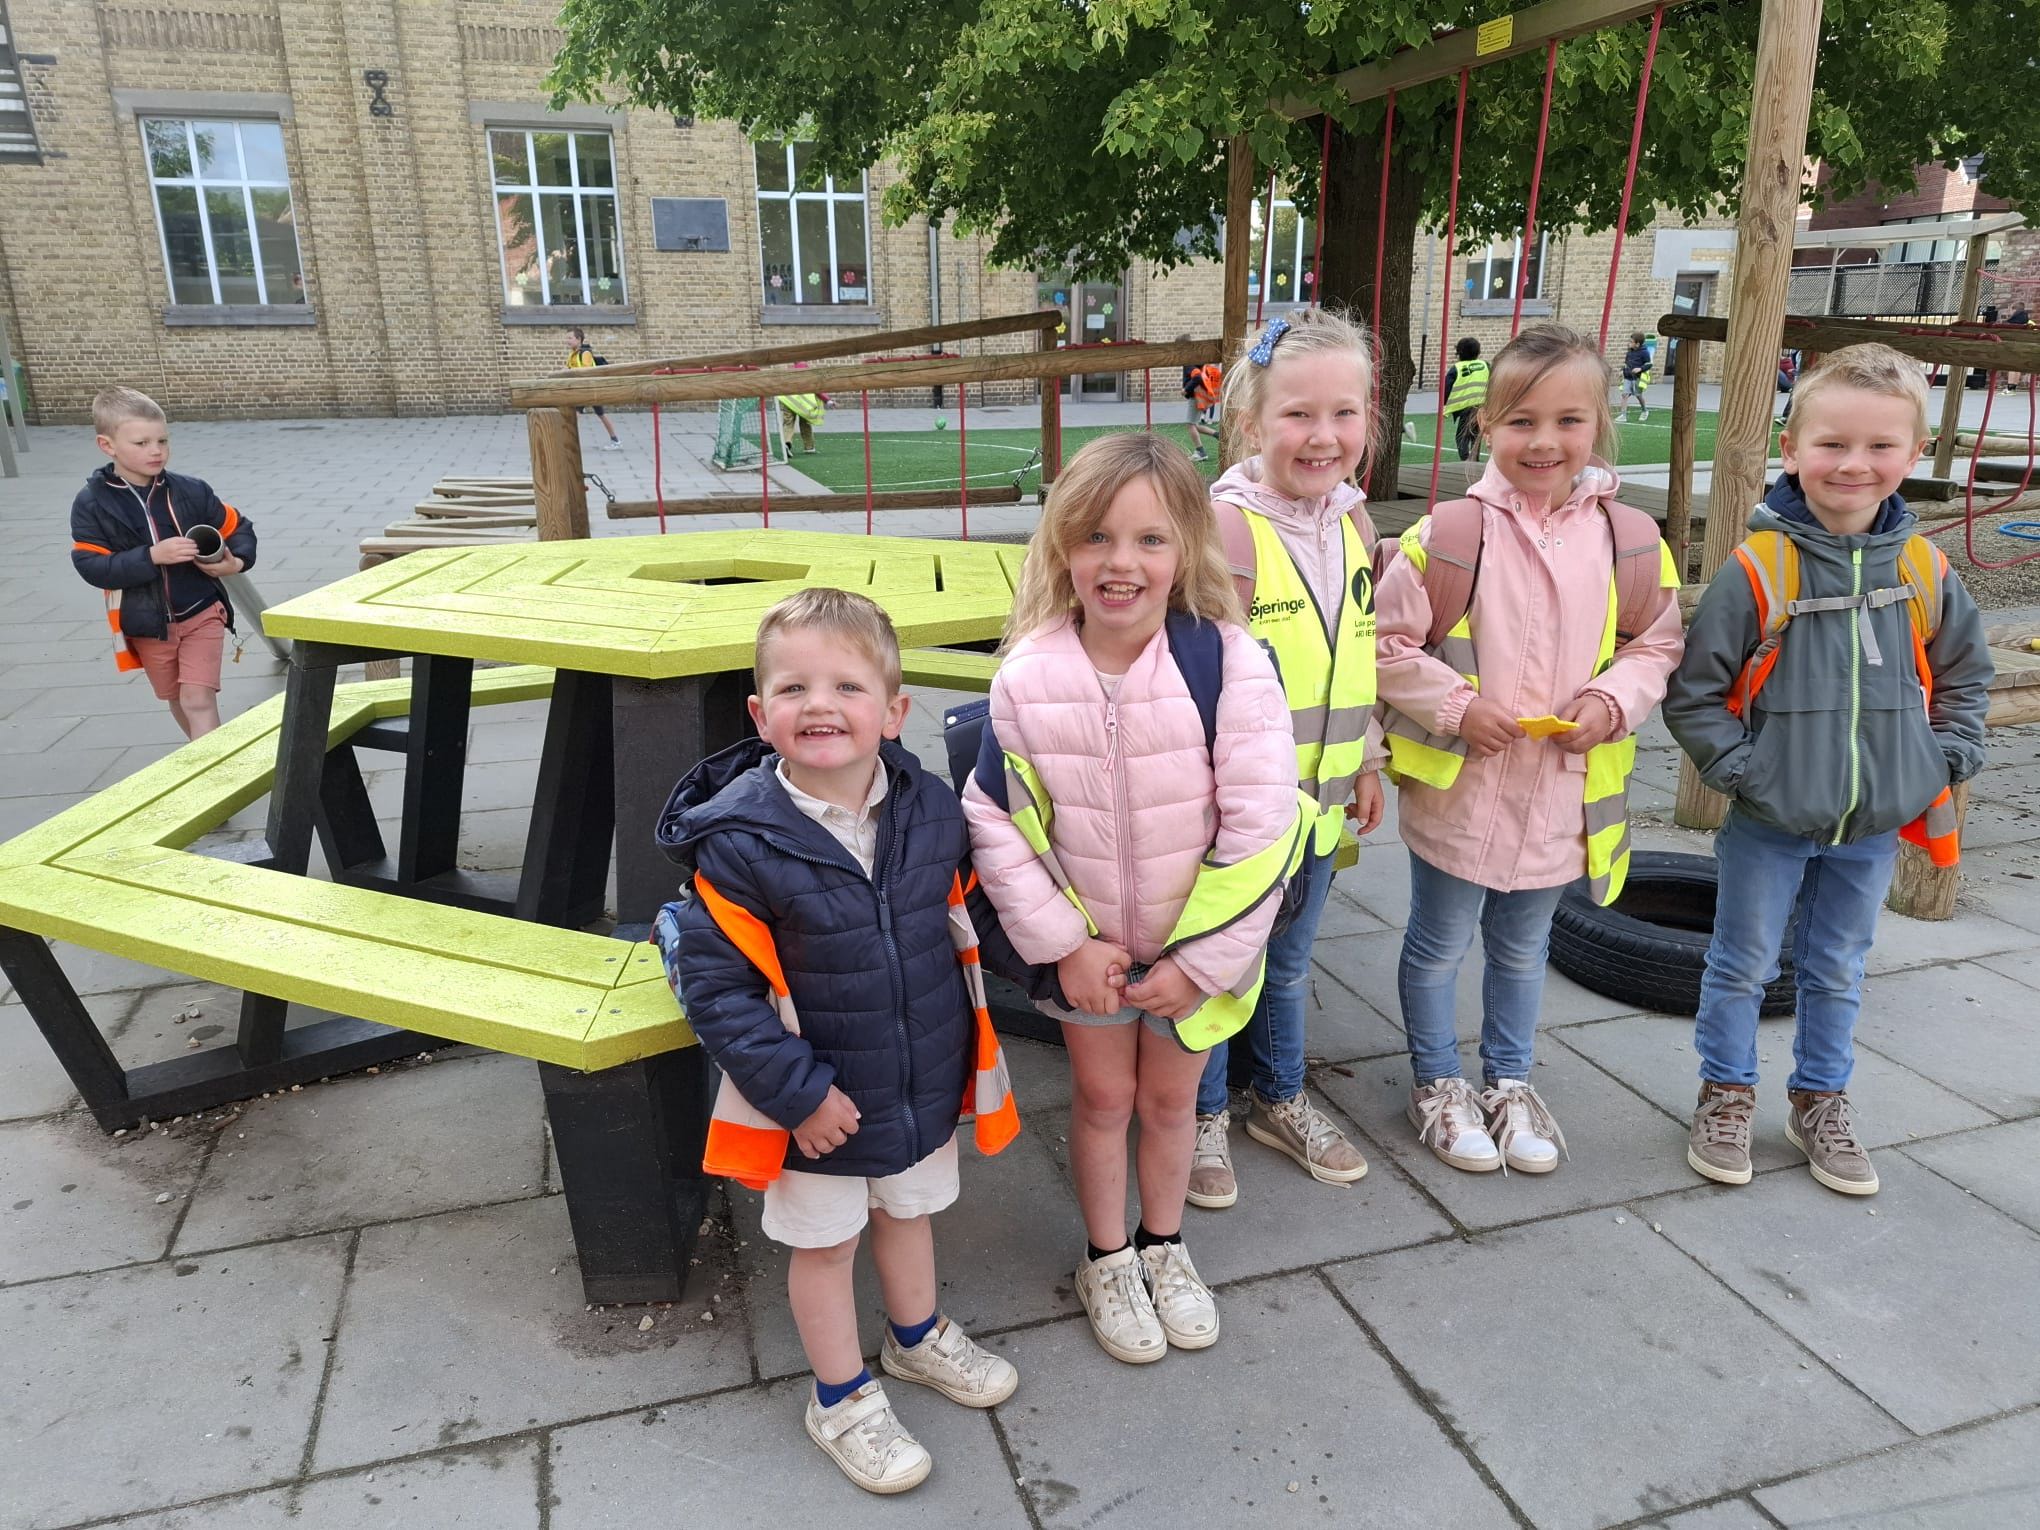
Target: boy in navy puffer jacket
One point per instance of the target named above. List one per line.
(817, 964)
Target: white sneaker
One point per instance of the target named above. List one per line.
(947, 1360)
(1522, 1127)
(1183, 1302)
(1447, 1115)
(1115, 1295)
(863, 1436)
(613, 444)
(1644, 417)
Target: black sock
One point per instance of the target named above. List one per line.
(1143, 1239)
(1094, 1253)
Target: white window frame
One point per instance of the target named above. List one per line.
(829, 196)
(1511, 260)
(1271, 261)
(199, 185)
(577, 194)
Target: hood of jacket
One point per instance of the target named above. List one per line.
(739, 787)
(1241, 485)
(1596, 481)
(1788, 501)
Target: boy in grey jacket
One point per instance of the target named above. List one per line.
(1826, 753)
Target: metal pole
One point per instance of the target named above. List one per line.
(17, 405)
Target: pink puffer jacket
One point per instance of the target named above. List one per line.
(1138, 801)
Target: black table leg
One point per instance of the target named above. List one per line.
(349, 836)
(53, 1004)
(435, 766)
(629, 1143)
(573, 811)
(662, 729)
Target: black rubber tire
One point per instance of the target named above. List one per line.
(1649, 947)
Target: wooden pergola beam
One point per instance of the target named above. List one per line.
(819, 350)
(1522, 31)
(1995, 350)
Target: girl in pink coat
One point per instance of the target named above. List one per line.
(1494, 850)
(1091, 696)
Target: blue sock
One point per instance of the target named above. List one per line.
(907, 1335)
(828, 1396)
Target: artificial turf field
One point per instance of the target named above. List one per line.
(927, 459)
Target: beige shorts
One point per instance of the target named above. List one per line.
(821, 1210)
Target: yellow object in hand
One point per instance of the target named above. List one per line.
(1545, 726)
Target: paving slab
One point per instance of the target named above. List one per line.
(468, 1325)
(213, 1388)
(1977, 1479)
(1100, 1442)
(2022, 965)
(1965, 1027)
(746, 1461)
(1871, 1287)
(494, 1487)
(32, 1083)
(1344, 915)
(34, 737)
(1996, 1165)
(1380, 881)
(1559, 1324)
(1621, 1146)
(1341, 1021)
(1735, 1514)
(424, 1138)
(1904, 942)
(1653, 1054)
(72, 1199)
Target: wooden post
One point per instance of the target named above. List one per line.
(1239, 241)
(1976, 251)
(1781, 99)
(1051, 416)
(1919, 888)
(556, 475)
(1685, 422)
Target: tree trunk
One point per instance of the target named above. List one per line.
(1352, 212)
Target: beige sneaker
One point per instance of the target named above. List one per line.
(952, 1364)
(1114, 1292)
(1448, 1118)
(1212, 1184)
(1305, 1133)
(1183, 1302)
(1719, 1144)
(1822, 1127)
(864, 1437)
(1523, 1127)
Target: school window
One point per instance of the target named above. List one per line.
(1285, 258)
(223, 209)
(1937, 251)
(813, 240)
(1491, 273)
(17, 126)
(556, 219)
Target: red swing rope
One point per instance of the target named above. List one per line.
(1536, 182)
(1317, 244)
(658, 477)
(865, 398)
(1445, 312)
(764, 466)
(1381, 250)
(1657, 22)
(1267, 239)
(1970, 514)
(963, 456)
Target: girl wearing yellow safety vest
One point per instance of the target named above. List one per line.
(1137, 844)
(1300, 547)
(1511, 734)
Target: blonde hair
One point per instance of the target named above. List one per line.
(1077, 503)
(114, 407)
(856, 619)
(1311, 332)
(1871, 368)
(1533, 356)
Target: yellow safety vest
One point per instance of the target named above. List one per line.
(1330, 688)
(1221, 894)
(1469, 386)
(1434, 759)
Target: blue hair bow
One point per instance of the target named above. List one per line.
(1264, 348)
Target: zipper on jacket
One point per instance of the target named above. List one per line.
(881, 881)
(1855, 698)
(1111, 734)
(1122, 830)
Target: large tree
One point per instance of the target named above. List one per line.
(1083, 134)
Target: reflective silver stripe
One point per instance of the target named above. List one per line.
(1941, 817)
(1405, 726)
(1307, 724)
(1457, 653)
(1606, 812)
(1347, 724)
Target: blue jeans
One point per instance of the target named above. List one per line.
(1275, 1033)
(1828, 897)
(1515, 932)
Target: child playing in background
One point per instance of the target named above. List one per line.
(1300, 547)
(1500, 817)
(163, 542)
(1796, 700)
(1201, 386)
(582, 355)
(1636, 377)
(1116, 824)
(1466, 385)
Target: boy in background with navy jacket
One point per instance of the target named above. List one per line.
(163, 542)
(817, 963)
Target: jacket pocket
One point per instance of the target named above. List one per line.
(1904, 767)
(1799, 777)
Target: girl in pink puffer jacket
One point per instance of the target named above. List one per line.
(1090, 695)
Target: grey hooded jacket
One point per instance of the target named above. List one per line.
(1840, 744)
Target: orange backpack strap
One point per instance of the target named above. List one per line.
(1640, 590)
(1770, 561)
